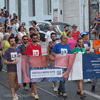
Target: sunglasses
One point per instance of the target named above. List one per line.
(25, 39)
(35, 38)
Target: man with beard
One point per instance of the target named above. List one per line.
(22, 49)
(9, 59)
(80, 49)
(66, 30)
(34, 49)
(49, 49)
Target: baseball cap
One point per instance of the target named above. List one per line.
(74, 25)
(86, 33)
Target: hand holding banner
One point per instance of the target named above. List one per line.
(26, 79)
(70, 64)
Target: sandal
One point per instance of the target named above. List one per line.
(83, 96)
(64, 95)
(59, 94)
(79, 93)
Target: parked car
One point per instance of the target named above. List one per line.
(58, 27)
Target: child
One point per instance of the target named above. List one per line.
(96, 27)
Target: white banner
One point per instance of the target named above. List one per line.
(77, 71)
(46, 73)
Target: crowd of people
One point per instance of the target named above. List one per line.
(16, 41)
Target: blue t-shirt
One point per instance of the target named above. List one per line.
(63, 49)
(22, 49)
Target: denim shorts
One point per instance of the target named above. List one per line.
(38, 79)
(57, 78)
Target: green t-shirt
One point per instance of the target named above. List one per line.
(76, 49)
(63, 33)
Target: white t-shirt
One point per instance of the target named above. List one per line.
(21, 34)
(48, 36)
(17, 25)
(14, 29)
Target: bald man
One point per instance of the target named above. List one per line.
(48, 34)
(61, 48)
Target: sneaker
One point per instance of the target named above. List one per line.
(36, 97)
(87, 81)
(93, 88)
(32, 95)
(55, 89)
(25, 88)
(16, 96)
(14, 99)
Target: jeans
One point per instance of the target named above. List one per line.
(61, 88)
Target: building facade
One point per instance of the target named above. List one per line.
(70, 11)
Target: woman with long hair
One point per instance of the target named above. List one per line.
(21, 33)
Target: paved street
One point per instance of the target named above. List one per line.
(45, 90)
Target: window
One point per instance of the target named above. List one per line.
(31, 8)
(7, 4)
(19, 9)
(49, 7)
(33, 2)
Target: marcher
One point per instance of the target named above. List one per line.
(71, 40)
(37, 32)
(25, 30)
(9, 59)
(34, 25)
(6, 24)
(14, 29)
(80, 49)
(4, 9)
(21, 33)
(97, 26)
(8, 30)
(86, 45)
(49, 49)
(31, 30)
(48, 34)
(1, 62)
(66, 27)
(2, 19)
(22, 49)
(96, 47)
(16, 23)
(34, 49)
(5, 44)
(1, 28)
(75, 32)
(61, 48)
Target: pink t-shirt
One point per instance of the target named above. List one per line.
(72, 43)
